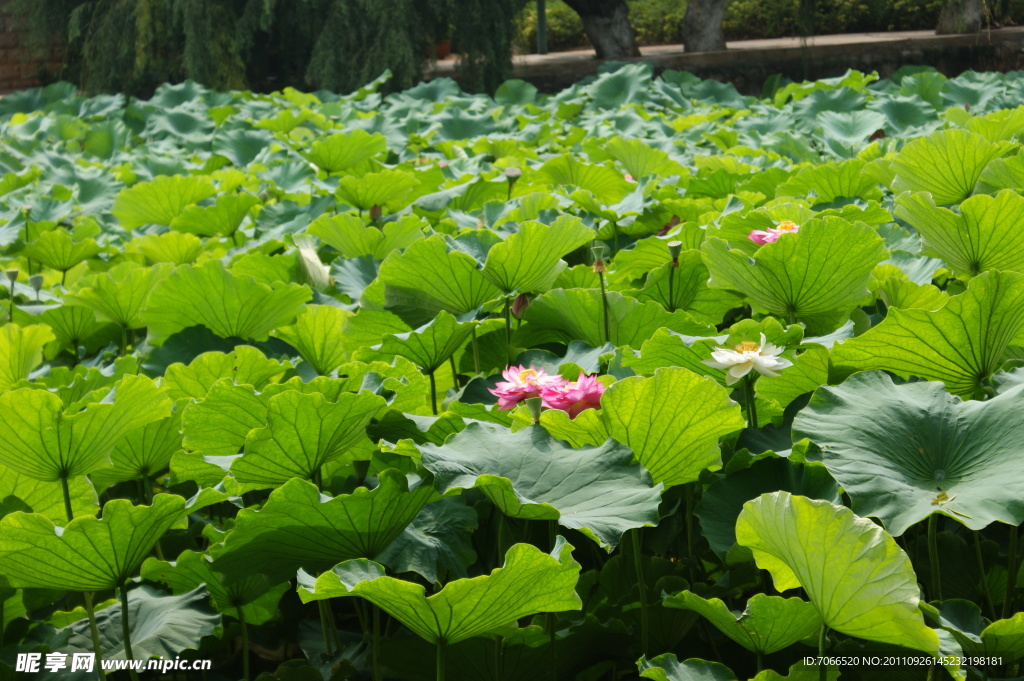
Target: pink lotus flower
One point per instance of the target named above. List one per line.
(629, 178)
(761, 237)
(521, 383)
(574, 397)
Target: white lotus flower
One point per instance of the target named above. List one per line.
(762, 357)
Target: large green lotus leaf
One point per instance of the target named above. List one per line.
(530, 259)
(1003, 124)
(651, 253)
(667, 667)
(817, 275)
(768, 623)
(830, 181)
(342, 151)
(432, 344)
(244, 364)
(858, 577)
(946, 163)
(736, 227)
(220, 423)
(434, 275)
(58, 250)
(640, 159)
(300, 527)
(176, 248)
(46, 498)
(983, 236)
(437, 544)
(809, 370)
(21, 351)
(604, 182)
(120, 294)
(315, 334)
(90, 554)
(255, 596)
(799, 672)
(903, 452)
(222, 218)
(389, 189)
(1002, 173)
(686, 288)
(72, 324)
(670, 349)
(529, 474)
(303, 433)
(350, 236)
(961, 344)
(1002, 638)
(228, 305)
(160, 201)
(161, 625)
(39, 440)
(565, 315)
(142, 453)
(722, 502)
(672, 422)
(529, 582)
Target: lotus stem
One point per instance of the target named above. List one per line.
(439, 676)
(499, 661)
(552, 618)
(124, 340)
(325, 625)
(1011, 577)
(822, 641)
(671, 296)
(476, 352)
(933, 556)
(94, 632)
(984, 580)
(638, 563)
(126, 631)
(508, 322)
(760, 661)
(376, 644)
(604, 308)
(455, 371)
(748, 396)
(245, 643)
(433, 392)
(68, 511)
(688, 492)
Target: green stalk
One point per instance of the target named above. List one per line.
(67, 497)
(245, 643)
(760, 661)
(376, 644)
(325, 625)
(822, 667)
(671, 280)
(748, 396)
(688, 491)
(126, 631)
(499, 662)
(508, 322)
(604, 308)
(94, 632)
(476, 353)
(552, 618)
(1011, 578)
(124, 340)
(933, 555)
(984, 579)
(638, 563)
(455, 371)
(439, 676)
(433, 392)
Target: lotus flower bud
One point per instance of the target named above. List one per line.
(375, 212)
(520, 304)
(667, 227)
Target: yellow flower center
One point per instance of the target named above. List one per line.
(748, 346)
(527, 375)
(788, 226)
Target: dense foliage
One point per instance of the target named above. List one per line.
(256, 349)
(133, 46)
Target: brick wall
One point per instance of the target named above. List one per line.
(21, 66)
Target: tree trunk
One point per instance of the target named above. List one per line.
(961, 16)
(702, 26)
(607, 25)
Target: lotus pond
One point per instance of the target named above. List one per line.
(643, 378)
